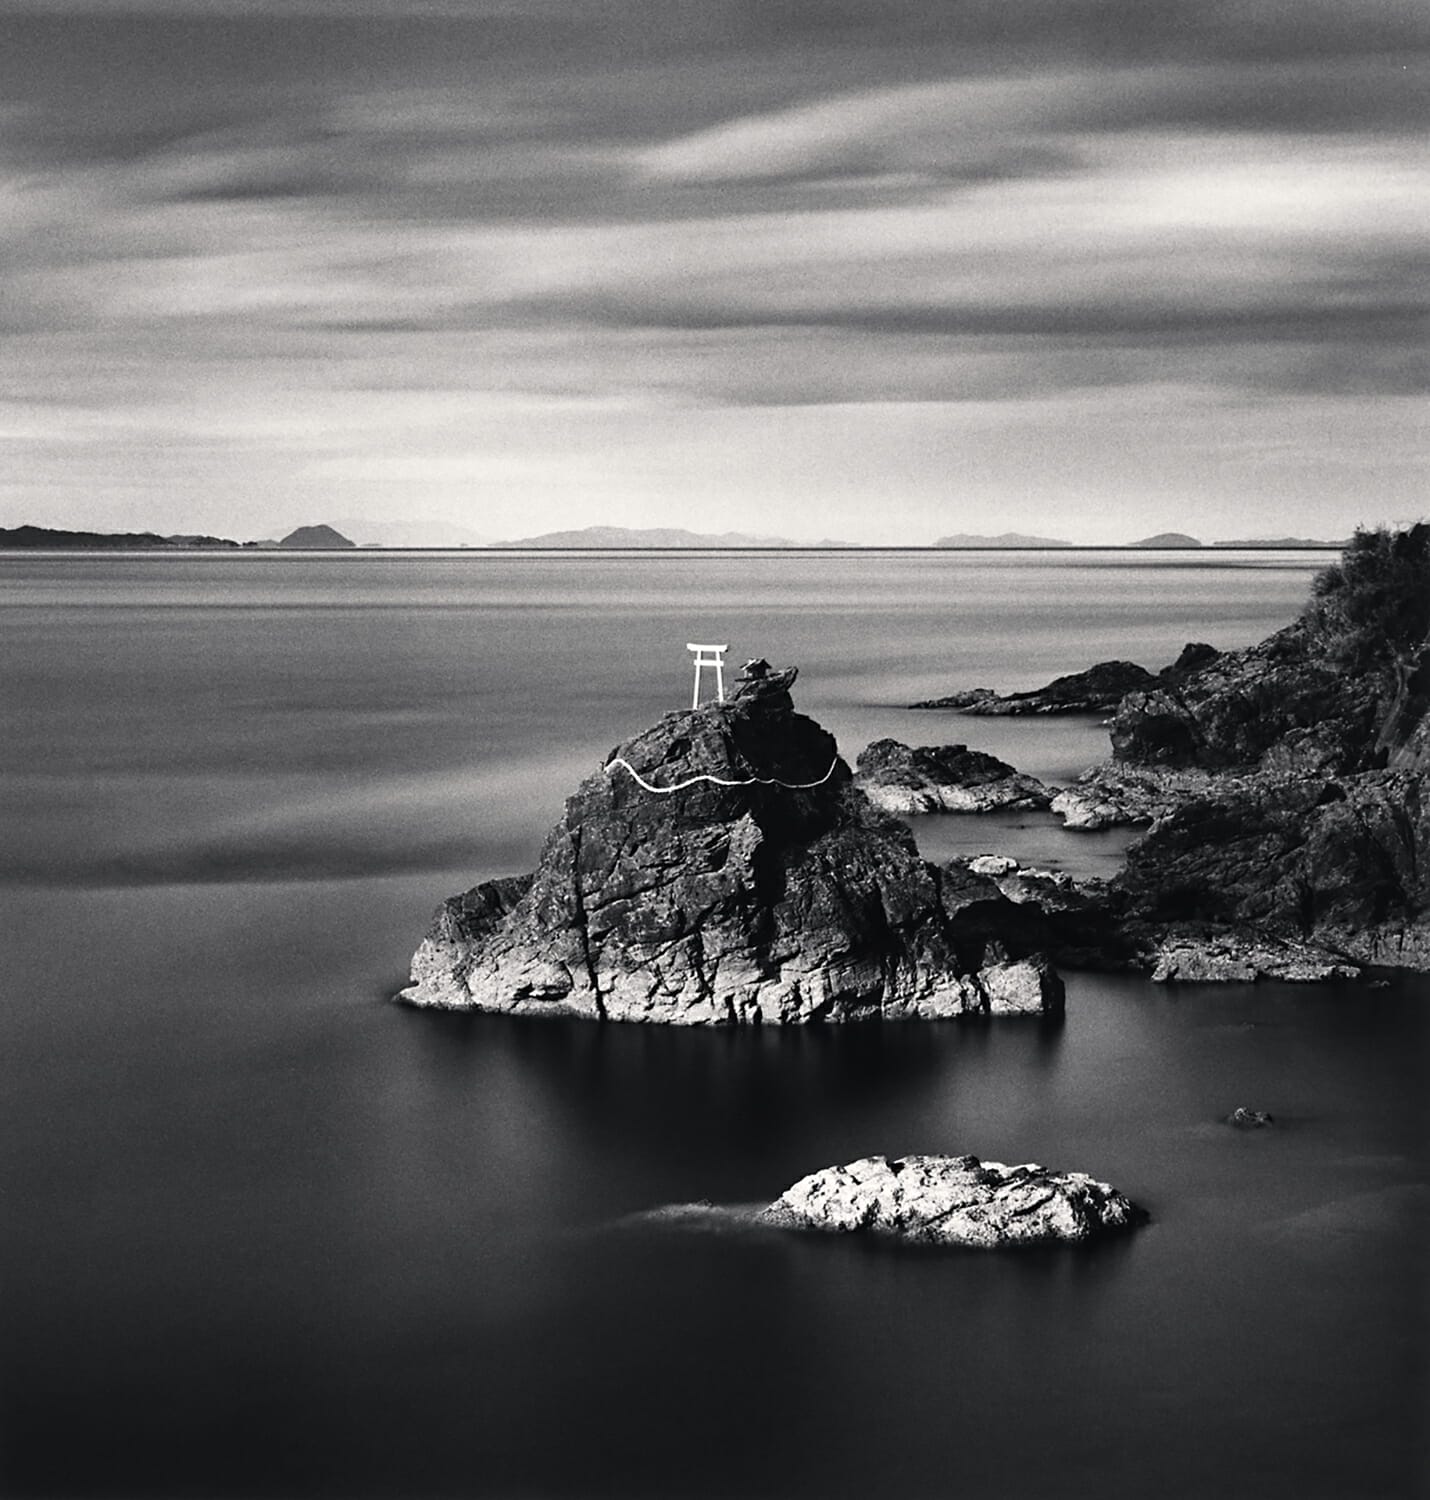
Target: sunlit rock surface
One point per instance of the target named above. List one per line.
(955, 1200)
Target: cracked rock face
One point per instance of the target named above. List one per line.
(721, 868)
(955, 1200)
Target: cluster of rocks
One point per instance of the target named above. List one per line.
(1284, 786)
(722, 868)
(955, 1200)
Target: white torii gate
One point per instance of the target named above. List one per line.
(708, 656)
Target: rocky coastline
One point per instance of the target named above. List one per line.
(1284, 786)
(726, 866)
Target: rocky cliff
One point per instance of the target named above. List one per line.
(1344, 688)
(719, 868)
(1286, 783)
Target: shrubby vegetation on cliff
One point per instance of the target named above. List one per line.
(1376, 600)
(1344, 688)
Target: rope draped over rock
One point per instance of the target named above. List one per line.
(680, 786)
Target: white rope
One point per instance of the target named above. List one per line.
(665, 791)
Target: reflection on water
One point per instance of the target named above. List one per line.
(266, 1234)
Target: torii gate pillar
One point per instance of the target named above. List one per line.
(708, 656)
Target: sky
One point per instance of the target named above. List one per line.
(877, 270)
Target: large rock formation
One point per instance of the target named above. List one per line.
(942, 778)
(721, 867)
(955, 1200)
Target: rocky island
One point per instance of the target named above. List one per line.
(722, 867)
(955, 1200)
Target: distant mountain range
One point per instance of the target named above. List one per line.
(655, 536)
(1287, 541)
(1170, 539)
(1003, 539)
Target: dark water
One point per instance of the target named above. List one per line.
(263, 1233)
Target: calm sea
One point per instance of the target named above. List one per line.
(263, 1233)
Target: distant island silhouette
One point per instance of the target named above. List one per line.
(53, 539)
(1167, 539)
(49, 538)
(316, 539)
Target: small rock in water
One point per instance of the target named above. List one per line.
(1250, 1119)
(955, 1200)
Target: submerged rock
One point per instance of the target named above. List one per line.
(955, 1200)
(942, 778)
(1250, 1119)
(719, 868)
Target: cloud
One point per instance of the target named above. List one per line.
(949, 126)
(292, 249)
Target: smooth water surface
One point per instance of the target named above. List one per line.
(265, 1233)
